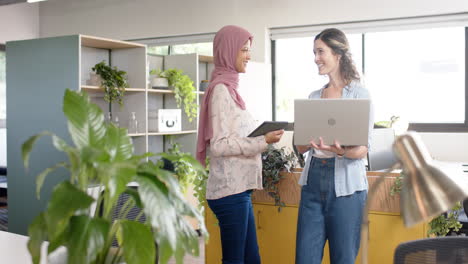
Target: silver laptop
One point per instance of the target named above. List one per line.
(346, 120)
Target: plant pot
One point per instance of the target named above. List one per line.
(203, 85)
(289, 190)
(94, 80)
(160, 83)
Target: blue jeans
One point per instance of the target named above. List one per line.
(237, 227)
(323, 216)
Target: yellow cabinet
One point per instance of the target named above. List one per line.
(276, 231)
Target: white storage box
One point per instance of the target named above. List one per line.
(169, 120)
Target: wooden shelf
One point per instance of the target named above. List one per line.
(137, 135)
(207, 59)
(103, 43)
(96, 89)
(172, 133)
(161, 91)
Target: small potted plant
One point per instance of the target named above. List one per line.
(159, 81)
(102, 154)
(113, 81)
(277, 166)
(183, 89)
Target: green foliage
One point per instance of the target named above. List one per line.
(114, 82)
(274, 161)
(440, 225)
(397, 185)
(103, 154)
(183, 89)
(189, 172)
(387, 124)
(443, 224)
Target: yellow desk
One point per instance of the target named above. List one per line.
(276, 231)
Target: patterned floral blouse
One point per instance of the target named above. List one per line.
(235, 159)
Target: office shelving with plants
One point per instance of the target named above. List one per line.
(39, 71)
(197, 68)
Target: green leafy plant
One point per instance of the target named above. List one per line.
(114, 82)
(387, 123)
(102, 154)
(183, 89)
(274, 161)
(397, 185)
(188, 172)
(440, 225)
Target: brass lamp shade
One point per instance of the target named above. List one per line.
(427, 190)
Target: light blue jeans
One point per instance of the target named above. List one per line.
(323, 216)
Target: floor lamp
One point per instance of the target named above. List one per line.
(427, 191)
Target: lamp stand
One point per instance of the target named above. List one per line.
(365, 213)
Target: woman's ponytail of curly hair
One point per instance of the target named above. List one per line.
(337, 41)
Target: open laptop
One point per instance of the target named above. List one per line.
(346, 120)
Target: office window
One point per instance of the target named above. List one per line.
(296, 73)
(158, 50)
(205, 48)
(417, 74)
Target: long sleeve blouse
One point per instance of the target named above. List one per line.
(235, 159)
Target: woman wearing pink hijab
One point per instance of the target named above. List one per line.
(235, 159)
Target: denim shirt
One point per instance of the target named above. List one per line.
(350, 174)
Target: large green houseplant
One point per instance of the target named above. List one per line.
(113, 81)
(184, 91)
(102, 154)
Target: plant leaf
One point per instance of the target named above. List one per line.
(137, 242)
(41, 177)
(28, 145)
(86, 238)
(118, 175)
(65, 201)
(118, 144)
(85, 119)
(37, 232)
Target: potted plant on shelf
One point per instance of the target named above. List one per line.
(277, 164)
(113, 81)
(183, 89)
(102, 154)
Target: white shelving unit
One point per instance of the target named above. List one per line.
(35, 102)
(140, 98)
(198, 68)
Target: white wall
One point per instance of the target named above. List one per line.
(19, 21)
(123, 19)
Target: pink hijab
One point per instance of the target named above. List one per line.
(227, 43)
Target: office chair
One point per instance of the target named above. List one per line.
(133, 213)
(438, 250)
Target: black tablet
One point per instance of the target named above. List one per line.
(268, 126)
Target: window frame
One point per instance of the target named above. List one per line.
(419, 127)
